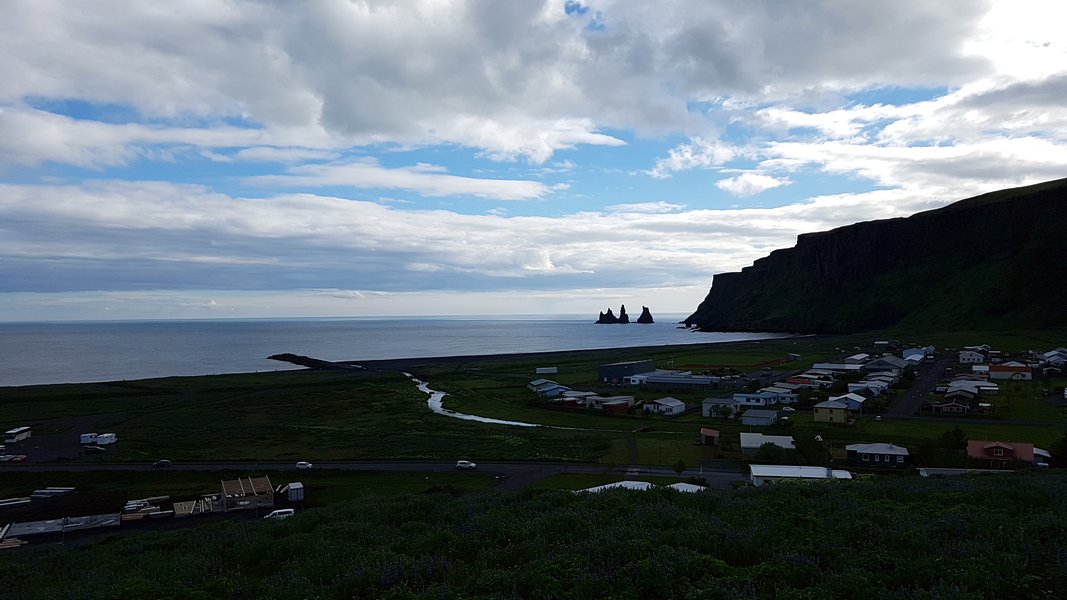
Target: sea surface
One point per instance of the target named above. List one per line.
(84, 351)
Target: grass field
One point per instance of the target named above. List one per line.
(323, 416)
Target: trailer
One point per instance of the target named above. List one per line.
(106, 438)
(16, 435)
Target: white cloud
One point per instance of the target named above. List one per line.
(650, 208)
(750, 184)
(428, 180)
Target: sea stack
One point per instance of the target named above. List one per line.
(623, 317)
(607, 318)
(646, 317)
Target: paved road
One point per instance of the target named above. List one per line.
(927, 376)
(513, 475)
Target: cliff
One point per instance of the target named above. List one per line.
(646, 317)
(996, 260)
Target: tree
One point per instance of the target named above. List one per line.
(680, 467)
(773, 454)
(1059, 452)
(953, 439)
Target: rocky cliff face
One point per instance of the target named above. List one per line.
(646, 317)
(994, 260)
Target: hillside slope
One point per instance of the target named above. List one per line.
(996, 260)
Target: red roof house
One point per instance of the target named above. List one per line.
(1000, 455)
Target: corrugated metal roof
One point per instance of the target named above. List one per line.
(798, 472)
(877, 448)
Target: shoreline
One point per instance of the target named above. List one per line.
(403, 364)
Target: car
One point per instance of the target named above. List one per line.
(466, 465)
(162, 464)
(281, 513)
(303, 465)
(789, 409)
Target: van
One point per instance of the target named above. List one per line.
(281, 513)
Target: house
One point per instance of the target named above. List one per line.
(1000, 455)
(877, 455)
(709, 436)
(761, 474)
(831, 411)
(914, 355)
(852, 401)
(1042, 458)
(757, 399)
(782, 395)
(752, 442)
(665, 406)
(1012, 371)
(615, 372)
(886, 363)
(710, 407)
(759, 418)
(977, 386)
(538, 383)
(970, 357)
(553, 390)
(857, 359)
(951, 407)
(876, 387)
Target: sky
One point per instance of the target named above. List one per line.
(259, 159)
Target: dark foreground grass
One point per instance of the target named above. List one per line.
(994, 537)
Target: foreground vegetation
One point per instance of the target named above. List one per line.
(995, 537)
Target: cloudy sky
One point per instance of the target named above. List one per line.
(235, 158)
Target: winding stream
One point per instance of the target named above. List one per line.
(437, 399)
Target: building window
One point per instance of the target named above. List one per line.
(998, 452)
(866, 457)
(900, 459)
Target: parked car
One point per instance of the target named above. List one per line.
(466, 465)
(281, 513)
(162, 464)
(303, 465)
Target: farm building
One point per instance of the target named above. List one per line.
(1012, 371)
(761, 474)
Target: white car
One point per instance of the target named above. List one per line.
(281, 513)
(466, 465)
(303, 465)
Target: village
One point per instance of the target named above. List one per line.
(913, 383)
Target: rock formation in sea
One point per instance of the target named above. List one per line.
(607, 318)
(646, 317)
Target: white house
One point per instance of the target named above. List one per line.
(757, 399)
(782, 395)
(761, 474)
(751, 442)
(665, 406)
(970, 357)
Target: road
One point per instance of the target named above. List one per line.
(927, 376)
(513, 475)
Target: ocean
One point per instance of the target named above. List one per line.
(71, 352)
